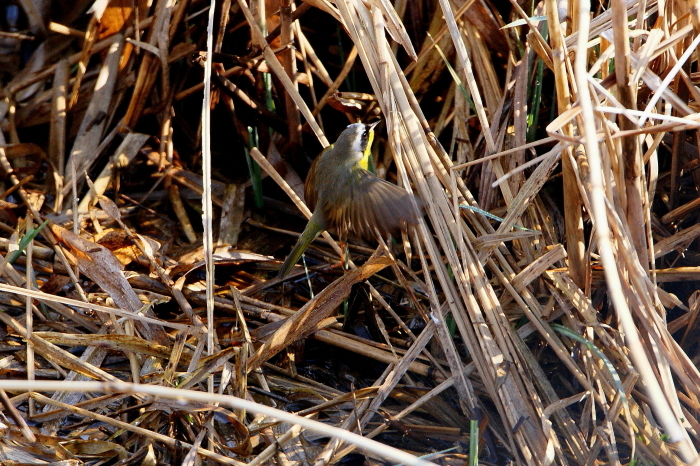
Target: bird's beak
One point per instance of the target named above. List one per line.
(371, 126)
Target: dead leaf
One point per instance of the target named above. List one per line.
(127, 343)
(98, 263)
(207, 366)
(306, 318)
(95, 449)
(120, 244)
(57, 355)
(234, 435)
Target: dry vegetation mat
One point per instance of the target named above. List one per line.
(544, 310)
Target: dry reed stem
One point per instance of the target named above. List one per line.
(482, 278)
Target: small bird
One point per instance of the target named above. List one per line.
(347, 198)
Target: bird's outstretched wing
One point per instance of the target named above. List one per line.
(371, 204)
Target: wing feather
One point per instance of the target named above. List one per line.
(372, 203)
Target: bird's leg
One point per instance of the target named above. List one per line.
(344, 252)
(344, 260)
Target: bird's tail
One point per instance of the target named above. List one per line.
(312, 230)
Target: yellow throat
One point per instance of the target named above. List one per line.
(364, 161)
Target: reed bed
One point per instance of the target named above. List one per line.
(565, 332)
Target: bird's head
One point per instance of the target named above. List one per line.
(356, 142)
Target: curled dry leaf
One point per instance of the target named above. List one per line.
(16, 450)
(121, 245)
(233, 434)
(98, 263)
(94, 449)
